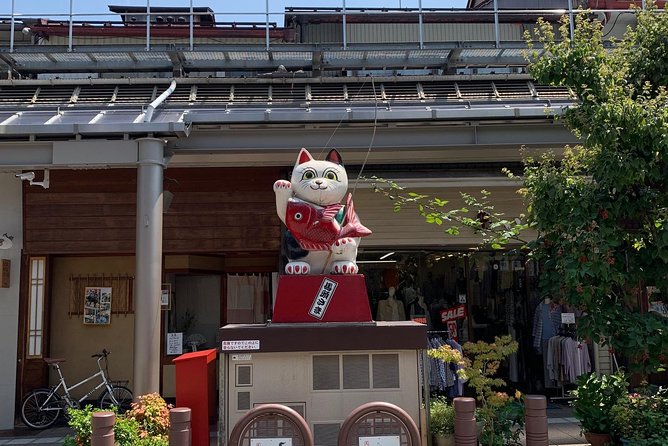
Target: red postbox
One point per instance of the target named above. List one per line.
(196, 389)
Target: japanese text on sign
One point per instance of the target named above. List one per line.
(252, 344)
(385, 440)
(567, 318)
(322, 299)
(271, 442)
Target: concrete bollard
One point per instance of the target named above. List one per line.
(102, 425)
(465, 427)
(535, 417)
(179, 426)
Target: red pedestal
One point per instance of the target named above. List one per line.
(196, 389)
(322, 298)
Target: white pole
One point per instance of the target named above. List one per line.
(11, 31)
(266, 24)
(420, 31)
(570, 20)
(69, 41)
(345, 40)
(148, 25)
(496, 23)
(192, 26)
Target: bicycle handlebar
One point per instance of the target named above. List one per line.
(104, 354)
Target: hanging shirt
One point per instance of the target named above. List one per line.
(547, 316)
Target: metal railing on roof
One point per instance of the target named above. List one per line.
(188, 46)
(418, 14)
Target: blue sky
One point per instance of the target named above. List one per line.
(225, 10)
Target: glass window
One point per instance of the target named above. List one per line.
(36, 307)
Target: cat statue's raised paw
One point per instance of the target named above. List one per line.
(323, 235)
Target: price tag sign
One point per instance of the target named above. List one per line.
(567, 318)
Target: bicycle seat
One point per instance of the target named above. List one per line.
(52, 361)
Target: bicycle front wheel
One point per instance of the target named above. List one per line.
(120, 397)
(40, 409)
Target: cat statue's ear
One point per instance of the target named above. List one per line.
(304, 157)
(334, 156)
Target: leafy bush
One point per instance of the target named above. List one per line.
(126, 430)
(594, 398)
(442, 417)
(146, 424)
(642, 418)
(152, 413)
(501, 414)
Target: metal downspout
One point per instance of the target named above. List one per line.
(159, 100)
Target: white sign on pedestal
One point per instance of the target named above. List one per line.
(386, 440)
(271, 442)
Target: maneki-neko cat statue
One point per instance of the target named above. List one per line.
(323, 235)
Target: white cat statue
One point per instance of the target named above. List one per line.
(323, 235)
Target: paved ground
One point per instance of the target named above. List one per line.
(563, 430)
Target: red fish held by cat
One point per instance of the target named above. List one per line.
(316, 229)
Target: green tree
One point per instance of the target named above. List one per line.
(601, 210)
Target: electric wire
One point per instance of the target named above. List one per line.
(345, 113)
(373, 135)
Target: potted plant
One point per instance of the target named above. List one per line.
(641, 418)
(595, 397)
(442, 417)
(500, 417)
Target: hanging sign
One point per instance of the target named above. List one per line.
(453, 330)
(567, 318)
(454, 313)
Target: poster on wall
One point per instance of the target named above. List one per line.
(97, 305)
(174, 343)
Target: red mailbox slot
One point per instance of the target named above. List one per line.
(196, 389)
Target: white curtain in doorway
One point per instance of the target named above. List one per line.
(247, 298)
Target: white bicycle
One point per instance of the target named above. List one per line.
(42, 407)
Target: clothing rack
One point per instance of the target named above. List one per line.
(439, 332)
(568, 332)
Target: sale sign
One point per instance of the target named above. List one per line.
(453, 314)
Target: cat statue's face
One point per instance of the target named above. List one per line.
(319, 182)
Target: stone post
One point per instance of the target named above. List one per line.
(102, 425)
(465, 426)
(535, 416)
(179, 426)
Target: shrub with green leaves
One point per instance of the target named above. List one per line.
(595, 397)
(642, 418)
(441, 416)
(146, 424)
(152, 413)
(126, 430)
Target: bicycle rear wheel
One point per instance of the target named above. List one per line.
(120, 397)
(40, 409)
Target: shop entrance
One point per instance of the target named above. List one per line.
(465, 296)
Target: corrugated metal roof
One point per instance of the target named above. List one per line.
(277, 91)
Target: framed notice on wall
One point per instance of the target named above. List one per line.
(166, 296)
(97, 306)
